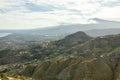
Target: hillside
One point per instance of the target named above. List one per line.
(99, 61)
(76, 68)
(75, 57)
(102, 32)
(73, 39)
(98, 46)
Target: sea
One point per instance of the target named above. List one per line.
(4, 34)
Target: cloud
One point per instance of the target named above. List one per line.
(45, 13)
(109, 13)
(39, 8)
(10, 3)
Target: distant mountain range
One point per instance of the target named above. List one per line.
(95, 29)
(103, 32)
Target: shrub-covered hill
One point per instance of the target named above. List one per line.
(94, 59)
(76, 57)
(99, 46)
(41, 51)
(76, 68)
(73, 39)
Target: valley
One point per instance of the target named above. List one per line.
(59, 39)
(74, 57)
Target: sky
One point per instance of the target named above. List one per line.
(28, 14)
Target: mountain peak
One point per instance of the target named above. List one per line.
(98, 20)
(78, 37)
(78, 34)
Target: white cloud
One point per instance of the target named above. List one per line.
(109, 13)
(4, 4)
(9, 3)
(65, 11)
(36, 19)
